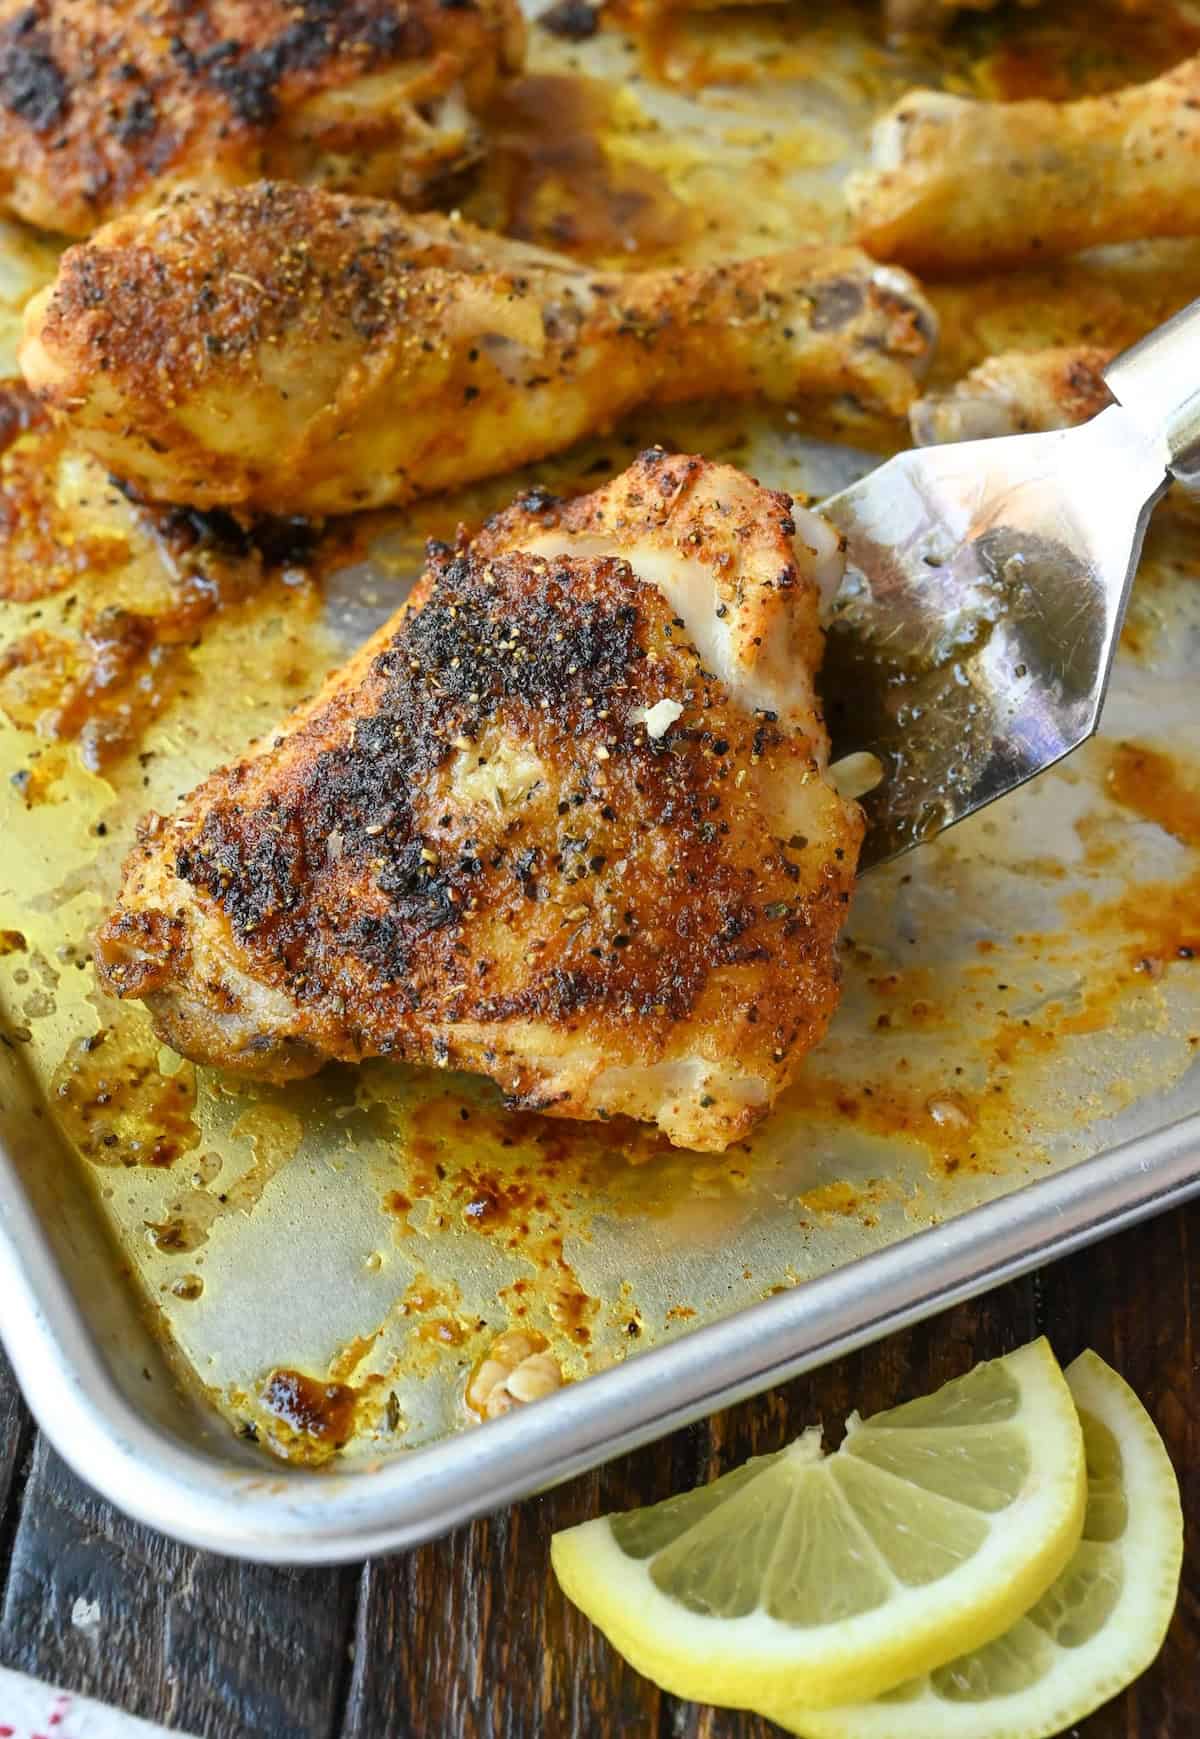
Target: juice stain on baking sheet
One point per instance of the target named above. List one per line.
(556, 175)
(1152, 783)
(1058, 54)
(333, 1259)
(122, 591)
(118, 1107)
(594, 155)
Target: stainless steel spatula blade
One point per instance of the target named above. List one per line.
(973, 635)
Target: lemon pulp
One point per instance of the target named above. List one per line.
(812, 1579)
(1094, 1630)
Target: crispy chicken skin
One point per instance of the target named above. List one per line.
(961, 185)
(291, 350)
(543, 826)
(105, 103)
(1018, 392)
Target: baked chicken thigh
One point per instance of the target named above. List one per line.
(106, 103)
(564, 821)
(290, 350)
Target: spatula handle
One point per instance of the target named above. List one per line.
(1158, 382)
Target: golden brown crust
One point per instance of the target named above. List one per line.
(764, 637)
(958, 185)
(283, 345)
(471, 849)
(103, 103)
(1018, 392)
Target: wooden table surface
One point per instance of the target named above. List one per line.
(469, 1636)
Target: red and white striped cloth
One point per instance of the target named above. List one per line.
(32, 1710)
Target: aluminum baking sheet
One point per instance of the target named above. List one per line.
(206, 1276)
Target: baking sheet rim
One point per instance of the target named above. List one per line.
(280, 1515)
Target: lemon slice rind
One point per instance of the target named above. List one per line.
(758, 1661)
(1075, 1679)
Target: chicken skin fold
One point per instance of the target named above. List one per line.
(959, 185)
(105, 104)
(564, 821)
(285, 349)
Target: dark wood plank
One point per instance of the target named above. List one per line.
(469, 1636)
(16, 1448)
(101, 1605)
(478, 1640)
(892, 1370)
(250, 1650)
(16, 1432)
(1136, 1299)
(83, 1603)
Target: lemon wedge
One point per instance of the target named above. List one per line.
(806, 1579)
(1093, 1631)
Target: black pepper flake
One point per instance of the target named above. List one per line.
(573, 20)
(139, 119)
(537, 499)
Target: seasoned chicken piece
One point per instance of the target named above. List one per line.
(104, 104)
(564, 821)
(959, 185)
(1019, 392)
(293, 350)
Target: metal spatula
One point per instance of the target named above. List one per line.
(974, 632)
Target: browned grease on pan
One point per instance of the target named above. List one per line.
(41, 548)
(1054, 55)
(117, 1106)
(314, 1413)
(516, 1178)
(552, 178)
(126, 591)
(1158, 787)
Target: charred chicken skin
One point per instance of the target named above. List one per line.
(563, 821)
(284, 349)
(104, 104)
